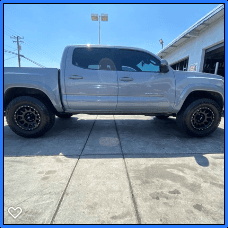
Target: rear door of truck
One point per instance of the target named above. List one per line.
(90, 79)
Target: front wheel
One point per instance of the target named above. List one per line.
(29, 117)
(200, 118)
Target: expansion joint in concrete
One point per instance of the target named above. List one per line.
(61, 199)
(128, 178)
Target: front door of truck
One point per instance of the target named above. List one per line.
(90, 79)
(142, 88)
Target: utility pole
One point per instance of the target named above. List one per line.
(18, 47)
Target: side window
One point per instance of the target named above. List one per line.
(93, 58)
(132, 60)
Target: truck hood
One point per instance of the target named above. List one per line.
(186, 82)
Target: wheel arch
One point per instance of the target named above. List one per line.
(200, 94)
(15, 92)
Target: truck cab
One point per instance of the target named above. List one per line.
(115, 79)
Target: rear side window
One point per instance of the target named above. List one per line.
(131, 60)
(93, 58)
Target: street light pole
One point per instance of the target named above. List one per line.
(102, 17)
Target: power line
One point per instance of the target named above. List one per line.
(25, 58)
(51, 57)
(33, 62)
(38, 51)
(9, 47)
(31, 47)
(7, 34)
(11, 52)
(37, 47)
(15, 49)
(11, 31)
(28, 42)
(10, 58)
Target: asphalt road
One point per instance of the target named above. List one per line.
(114, 170)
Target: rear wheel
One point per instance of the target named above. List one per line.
(200, 118)
(29, 117)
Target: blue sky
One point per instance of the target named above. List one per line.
(48, 28)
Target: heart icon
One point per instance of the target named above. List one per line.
(15, 212)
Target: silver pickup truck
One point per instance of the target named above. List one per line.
(111, 80)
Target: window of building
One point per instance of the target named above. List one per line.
(181, 65)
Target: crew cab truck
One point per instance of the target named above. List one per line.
(113, 80)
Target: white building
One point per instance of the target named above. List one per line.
(201, 47)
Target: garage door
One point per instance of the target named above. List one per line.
(215, 56)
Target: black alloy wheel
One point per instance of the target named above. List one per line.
(202, 118)
(27, 117)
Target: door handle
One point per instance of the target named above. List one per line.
(75, 77)
(126, 79)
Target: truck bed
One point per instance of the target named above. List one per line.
(43, 79)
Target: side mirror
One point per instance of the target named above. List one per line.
(164, 66)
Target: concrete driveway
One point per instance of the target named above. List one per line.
(114, 170)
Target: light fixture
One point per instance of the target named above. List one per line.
(94, 17)
(104, 17)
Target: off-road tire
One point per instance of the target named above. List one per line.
(185, 117)
(162, 117)
(64, 115)
(46, 115)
